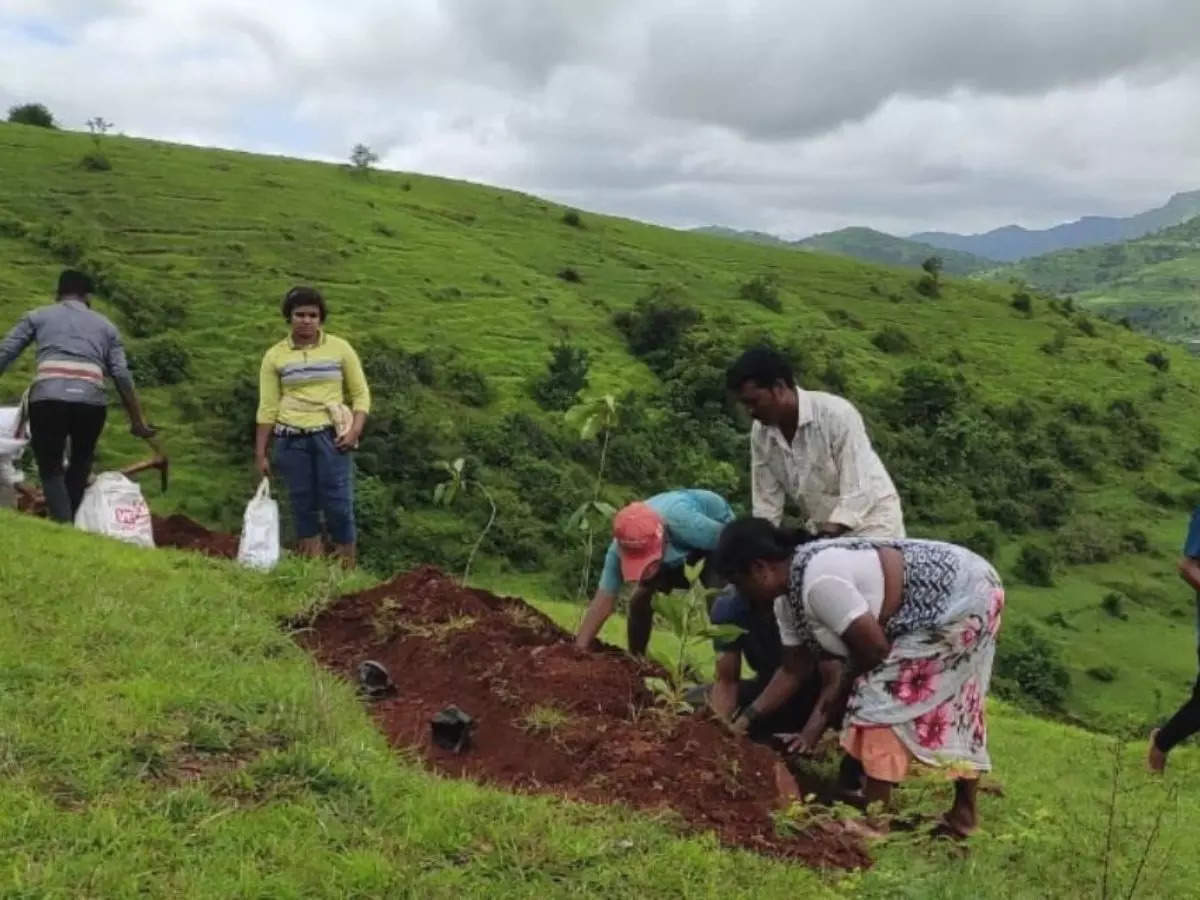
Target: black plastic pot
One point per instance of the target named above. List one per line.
(452, 729)
(374, 680)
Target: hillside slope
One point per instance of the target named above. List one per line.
(163, 737)
(873, 246)
(1042, 438)
(1012, 242)
(1154, 280)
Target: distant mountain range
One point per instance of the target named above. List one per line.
(967, 253)
(865, 244)
(1012, 242)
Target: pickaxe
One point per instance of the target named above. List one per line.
(158, 461)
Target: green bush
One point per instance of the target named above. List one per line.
(1088, 541)
(1029, 669)
(1086, 326)
(892, 340)
(1159, 360)
(570, 275)
(654, 329)
(1022, 302)
(31, 114)
(159, 361)
(763, 290)
(1105, 674)
(95, 162)
(471, 386)
(573, 218)
(565, 376)
(927, 286)
(1114, 604)
(1035, 566)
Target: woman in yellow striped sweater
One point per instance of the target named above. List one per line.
(314, 400)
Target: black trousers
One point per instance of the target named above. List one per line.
(51, 424)
(1186, 720)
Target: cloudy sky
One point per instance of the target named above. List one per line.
(785, 116)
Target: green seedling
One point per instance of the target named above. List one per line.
(595, 417)
(685, 615)
(544, 720)
(449, 490)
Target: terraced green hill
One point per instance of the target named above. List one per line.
(1044, 438)
(1154, 281)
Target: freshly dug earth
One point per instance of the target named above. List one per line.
(176, 531)
(184, 534)
(552, 719)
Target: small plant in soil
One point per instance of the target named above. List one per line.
(544, 719)
(685, 615)
(455, 485)
(595, 417)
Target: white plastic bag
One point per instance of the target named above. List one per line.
(12, 445)
(259, 546)
(113, 505)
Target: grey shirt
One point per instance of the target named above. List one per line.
(68, 331)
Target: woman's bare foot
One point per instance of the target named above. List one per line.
(1156, 760)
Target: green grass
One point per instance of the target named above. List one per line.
(425, 262)
(124, 668)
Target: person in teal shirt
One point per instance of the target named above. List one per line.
(652, 540)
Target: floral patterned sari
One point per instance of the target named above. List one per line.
(930, 690)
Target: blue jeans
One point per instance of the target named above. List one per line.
(320, 479)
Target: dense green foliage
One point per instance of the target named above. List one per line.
(474, 343)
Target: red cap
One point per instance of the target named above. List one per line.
(639, 533)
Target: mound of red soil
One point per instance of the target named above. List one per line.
(182, 533)
(499, 660)
(176, 531)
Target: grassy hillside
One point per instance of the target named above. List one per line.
(1154, 281)
(873, 246)
(1042, 437)
(163, 737)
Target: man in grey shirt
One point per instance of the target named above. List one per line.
(76, 348)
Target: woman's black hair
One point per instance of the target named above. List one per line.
(302, 295)
(748, 539)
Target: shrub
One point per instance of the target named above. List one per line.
(570, 275)
(31, 114)
(1135, 541)
(1029, 669)
(845, 318)
(1088, 541)
(571, 217)
(160, 361)
(1103, 673)
(927, 286)
(362, 158)
(1056, 344)
(1035, 566)
(1114, 604)
(1022, 303)
(471, 385)
(1159, 360)
(1086, 326)
(565, 376)
(95, 162)
(928, 394)
(892, 340)
(654, 329)
(763, 290)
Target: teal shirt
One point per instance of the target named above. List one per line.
(693, 520)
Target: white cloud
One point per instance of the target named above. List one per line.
(762, 113)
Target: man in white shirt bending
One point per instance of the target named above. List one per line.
(812, 447)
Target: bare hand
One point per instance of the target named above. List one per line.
(142, 430)
(803, 743)
(349, 440)
(740, 725)
(263, 465)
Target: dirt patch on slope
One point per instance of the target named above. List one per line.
(604, 739)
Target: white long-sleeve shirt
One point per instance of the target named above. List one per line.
(830, 469)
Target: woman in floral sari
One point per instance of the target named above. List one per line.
(916, 621)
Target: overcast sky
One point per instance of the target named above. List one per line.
(780, 115)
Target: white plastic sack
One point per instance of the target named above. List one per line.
(259, 546)
(12, 445)
(113, 505)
